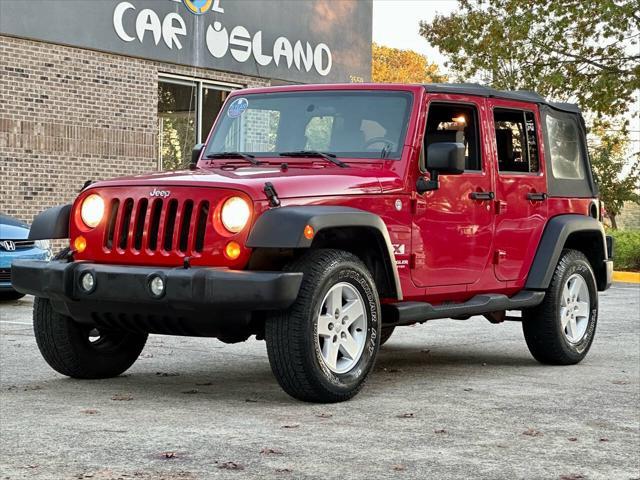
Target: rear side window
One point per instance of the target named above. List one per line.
(565, 152)
(564, 148)
(516, 141)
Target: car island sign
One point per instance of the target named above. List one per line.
(221, 40)
(301, 41)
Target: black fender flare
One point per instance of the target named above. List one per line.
(554, 239)
(284, 228)
(51, 224)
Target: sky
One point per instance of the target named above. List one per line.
(395, 24)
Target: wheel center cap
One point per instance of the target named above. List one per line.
(338, 328)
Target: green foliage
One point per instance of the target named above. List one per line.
(177, 133)
(626, 250)
(176, 124)
(394, 65)
(618, 177)
(570, 50)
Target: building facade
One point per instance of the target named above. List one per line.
(100, 89)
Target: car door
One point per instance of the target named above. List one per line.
(521, 207)
(453, 225)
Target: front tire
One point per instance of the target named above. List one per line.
(78, 350)
(561, 329)
(385, 334)
(322, 348)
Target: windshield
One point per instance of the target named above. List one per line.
(351, 124)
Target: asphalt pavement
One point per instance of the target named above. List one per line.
(447, 399)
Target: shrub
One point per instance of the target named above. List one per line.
(626, 252)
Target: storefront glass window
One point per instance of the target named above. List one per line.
(212, 100)
(187, 109)
(177, 105)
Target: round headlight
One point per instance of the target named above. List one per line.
(92, 210)
(235, 214)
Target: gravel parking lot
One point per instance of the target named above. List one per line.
(448, 399)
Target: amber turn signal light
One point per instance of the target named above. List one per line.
(232, 250)
(308, 232)
(80, 244)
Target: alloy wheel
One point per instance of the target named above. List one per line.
(575, 308)
(342, 326)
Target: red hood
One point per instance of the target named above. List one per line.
(311, 180)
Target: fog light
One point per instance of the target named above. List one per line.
(87, 282)
(156, 285)
(80, 244)
(232, 250)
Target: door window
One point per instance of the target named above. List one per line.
(455, 123)
(516, 141)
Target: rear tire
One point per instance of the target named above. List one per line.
(561, 329)
(322, 348)
(67, 345)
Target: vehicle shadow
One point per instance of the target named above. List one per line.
(433, 357)
(250, 380)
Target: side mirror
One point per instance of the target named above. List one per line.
(445, 158)
(195, 154)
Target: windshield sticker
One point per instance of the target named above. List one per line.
(237, 107)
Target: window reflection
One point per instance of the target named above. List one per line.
(177, 105)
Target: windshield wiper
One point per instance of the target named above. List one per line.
(314, 153)
(245, 156)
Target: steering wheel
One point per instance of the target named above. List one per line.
(374, 140)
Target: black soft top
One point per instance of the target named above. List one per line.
(483, 91)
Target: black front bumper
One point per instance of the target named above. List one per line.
(122, 296)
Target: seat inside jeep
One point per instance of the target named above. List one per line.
(454, 123)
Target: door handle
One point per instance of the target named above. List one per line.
(482, 196)
(536, 197)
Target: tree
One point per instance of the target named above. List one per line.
(617, 175)
(570, 50)
(403, 66)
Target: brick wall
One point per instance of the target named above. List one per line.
(68, 115)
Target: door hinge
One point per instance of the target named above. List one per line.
(413, 204)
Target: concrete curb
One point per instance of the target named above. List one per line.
(627, 277)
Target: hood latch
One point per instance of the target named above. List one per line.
(272, 195)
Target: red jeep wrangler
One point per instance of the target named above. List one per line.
(321, 217)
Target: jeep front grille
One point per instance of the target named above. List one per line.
(158, 225)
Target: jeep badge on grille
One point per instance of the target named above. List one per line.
(159, 193)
